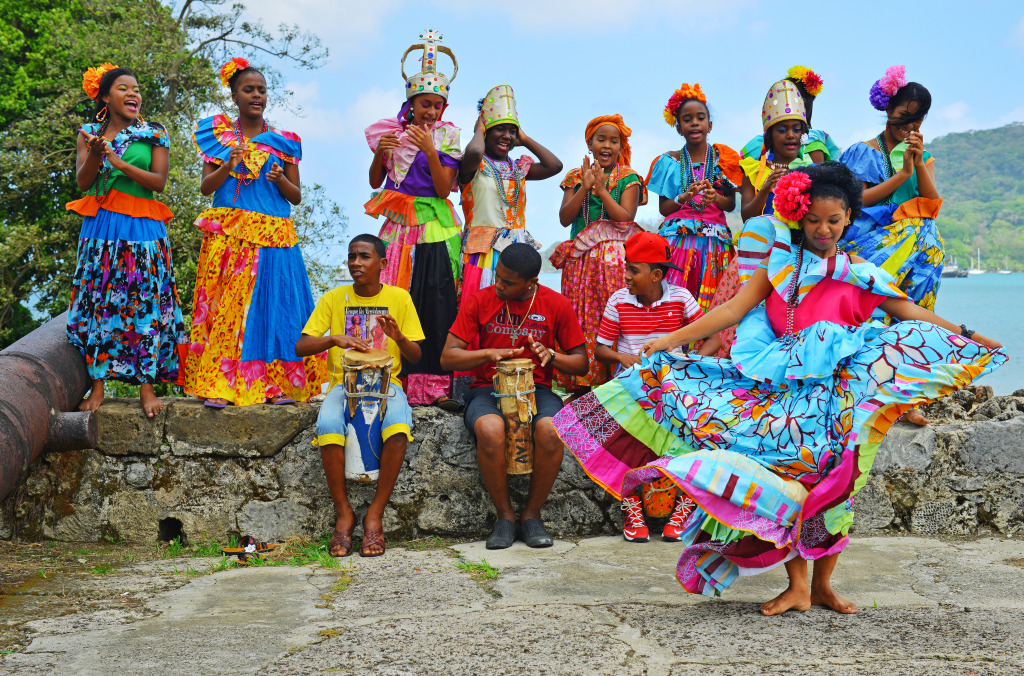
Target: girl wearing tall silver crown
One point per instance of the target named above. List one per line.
(494, 187)
(416, 159)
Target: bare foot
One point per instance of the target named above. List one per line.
(915, 417)
(151, 404)
(829, 598)
(95, 398)
(791, 599)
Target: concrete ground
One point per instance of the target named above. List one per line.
(599, 606)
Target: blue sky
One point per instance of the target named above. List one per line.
(570, 60)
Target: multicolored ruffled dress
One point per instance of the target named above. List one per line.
(252, 294)
(898, 234)
(700, 238)
(593, 264)
(423, 234)
(774, 445)
(754, 163)
(494, 204)
(124, 315)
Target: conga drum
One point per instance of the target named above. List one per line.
(366, 379)
(514, 390)
(659, 497)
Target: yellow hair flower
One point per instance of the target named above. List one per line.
(230, 68)
(811, 81)
(91, 79)
(684, 93)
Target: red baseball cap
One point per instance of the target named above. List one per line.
(648, 247)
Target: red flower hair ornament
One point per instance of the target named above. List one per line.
(792, 197)
(230, 68)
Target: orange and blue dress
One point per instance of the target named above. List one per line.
(124, 315)
(252, 294)
(898, 234)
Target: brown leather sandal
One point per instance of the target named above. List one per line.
(371, 537)
(341, 539)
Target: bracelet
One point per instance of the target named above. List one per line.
(966, 332)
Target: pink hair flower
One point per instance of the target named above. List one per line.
(792, 196)
(895, 77)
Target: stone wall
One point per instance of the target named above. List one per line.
(212, 474)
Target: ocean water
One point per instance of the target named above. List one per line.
(991, 304)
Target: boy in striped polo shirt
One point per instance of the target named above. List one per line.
(648, 308)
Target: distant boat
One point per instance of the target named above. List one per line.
(953, 271)
(976, 270)
(1005, 270)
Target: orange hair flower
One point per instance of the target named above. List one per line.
(91, 79)
(230, 68)
(684, 93)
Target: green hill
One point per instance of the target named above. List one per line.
(981, 179)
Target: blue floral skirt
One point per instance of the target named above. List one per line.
(124, 316)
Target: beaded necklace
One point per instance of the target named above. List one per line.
(793, 293)
(616, 194)
(516, 180)
(887, 167)
(245, 177)
(686, 177)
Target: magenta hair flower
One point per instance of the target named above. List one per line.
(792, 198)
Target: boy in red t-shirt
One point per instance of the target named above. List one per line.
(516, 317)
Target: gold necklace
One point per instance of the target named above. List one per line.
(508, 313)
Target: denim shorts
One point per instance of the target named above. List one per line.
(331, 425)
(480, 401)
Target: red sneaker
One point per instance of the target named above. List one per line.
(634, 530)
(680, 513)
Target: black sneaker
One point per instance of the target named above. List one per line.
(503, 535)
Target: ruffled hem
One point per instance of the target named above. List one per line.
(214, 137)
(122, 203)
(593, 235)
(250, 226)
(410, 210)
(760, 355)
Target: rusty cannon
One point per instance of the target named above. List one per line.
(42, 380)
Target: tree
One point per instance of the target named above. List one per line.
(173, 50)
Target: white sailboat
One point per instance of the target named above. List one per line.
(1005, 270)
(976, 270)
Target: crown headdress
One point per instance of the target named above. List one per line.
(429, 80)
(499, 107)
(783, 102)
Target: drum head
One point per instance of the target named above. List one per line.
(378, 358)
(512, 365)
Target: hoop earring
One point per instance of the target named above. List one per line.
(102, 115)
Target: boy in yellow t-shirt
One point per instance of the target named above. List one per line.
(363, 315)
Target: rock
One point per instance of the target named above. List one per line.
(208, 474)
(250, 431)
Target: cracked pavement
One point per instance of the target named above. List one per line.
(599, 606)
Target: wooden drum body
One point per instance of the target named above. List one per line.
(514, 391)
(367, 380)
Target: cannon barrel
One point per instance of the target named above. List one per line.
(42, 378)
